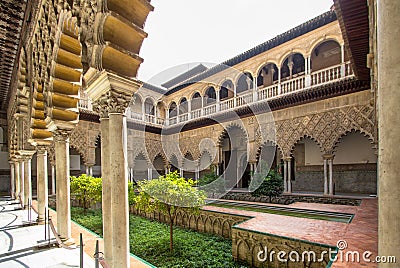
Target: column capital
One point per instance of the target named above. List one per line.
(112, 93)
(328, 156)
(61, 135)
(287, 158)
(41, 150)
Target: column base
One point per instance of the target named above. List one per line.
(40, 221)
(68, 241)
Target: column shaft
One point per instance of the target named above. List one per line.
(106, 191)
(285, 176)
(388, 21)
(289, 177)
(330, 162)
(325, 176)
(42, 191)
(12, 179)
(17, 173)
(119, 178)
(63, 187)
(22, 182)
(27, 182)
(53, 179)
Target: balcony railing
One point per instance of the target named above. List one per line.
(297, 84)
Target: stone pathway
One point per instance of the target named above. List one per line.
(89, 240)
(18, 243)
(360, 235)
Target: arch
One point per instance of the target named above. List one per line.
(287, 54)
(225, 131)
(196, 101)
(149, 106)
(227, 90)
(173, 110)
(325, 54)
(158, 165)
(363, 133)
(140, 167)
(137, 104)
(270, 153)
(293, 65)
(174, 161)
(267, 75)
(322, 39)
(244, 82)
(210, 96)
(183, 106)
(321, 148)
(355, 163)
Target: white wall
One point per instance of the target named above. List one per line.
(354, 148)
(313, 155)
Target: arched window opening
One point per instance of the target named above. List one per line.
(183, 106)
(326, 55)
(173, 110)
(149, 107)
(210, 96)
(293, 66)
(245, 83)
(268, 75)
(226, 91)
(196, 101)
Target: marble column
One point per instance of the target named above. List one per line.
(42, 191)
(22, 181)
(285, 175)
(63, 185)
(331, 185)
(53, 180)
(388, 21)
(119, 189)
(325, 176)
(106, 187)
(12, 179)
(17, 174)
(27, 181)
(289, 174)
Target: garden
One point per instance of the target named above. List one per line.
(161, 244)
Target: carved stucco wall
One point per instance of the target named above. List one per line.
(326, 122)
(84, 138)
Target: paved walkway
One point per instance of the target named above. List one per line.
(19, 243)
(360, 235)
(89, 240)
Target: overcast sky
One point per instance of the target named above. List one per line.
(185, 32)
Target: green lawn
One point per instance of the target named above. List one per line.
(149, 240)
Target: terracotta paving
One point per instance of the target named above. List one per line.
(89, 240)
(360, 235)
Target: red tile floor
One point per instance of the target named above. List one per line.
(360, 235)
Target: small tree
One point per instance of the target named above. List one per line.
(86, 189)
(272, 185)
(169, 194)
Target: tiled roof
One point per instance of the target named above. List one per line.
(185, 76)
